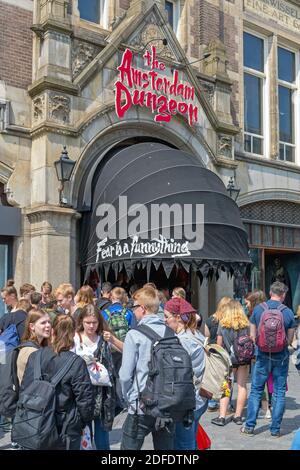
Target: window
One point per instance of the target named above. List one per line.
(172, 8)
(95, 11)
(170, 11)
(254, 78)
(286, 90)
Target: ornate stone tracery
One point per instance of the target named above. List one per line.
(82, 55)
(38, 105)
(59, 108)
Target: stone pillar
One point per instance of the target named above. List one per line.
(216, 66)
(273, 97)
(53, 244)
(182, 32)
(53, 10)
(52, 53)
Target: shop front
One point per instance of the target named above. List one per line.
(159, 217)
(274, 238)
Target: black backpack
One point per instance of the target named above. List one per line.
(169, 390)
(35, 424)
(9, 383)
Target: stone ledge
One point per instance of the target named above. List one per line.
(51, 83)
(55, 210)
(267, 162)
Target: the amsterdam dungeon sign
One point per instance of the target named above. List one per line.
(152, 89)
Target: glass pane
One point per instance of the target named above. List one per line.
(3, 273)
(286, 125)
(257, 145)
(89, 10)
(281, 152)
(247, 143)
(253, 52)
(170, 11)
(252, 104)
(286, 65)
(289, 153)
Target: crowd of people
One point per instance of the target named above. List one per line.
(110, 344)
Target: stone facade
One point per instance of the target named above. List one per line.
(57, 88)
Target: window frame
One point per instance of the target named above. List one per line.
(176, 14)
(103, 15)
(264, 76)
(294, 86)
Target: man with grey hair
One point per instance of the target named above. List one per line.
(270, 318)
(105, 300)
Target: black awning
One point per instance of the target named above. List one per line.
(150, 174)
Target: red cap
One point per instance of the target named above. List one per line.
(179, 306)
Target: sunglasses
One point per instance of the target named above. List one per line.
(136, 306)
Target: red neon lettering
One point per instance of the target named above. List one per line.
(162, 112)
(125, 67)
(150, 84)
(121, 110)
(193, 114)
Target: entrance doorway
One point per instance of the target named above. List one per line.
(270, 264)
(284, 266)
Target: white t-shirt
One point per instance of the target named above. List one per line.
(85, 347)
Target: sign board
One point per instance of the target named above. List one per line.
(151, 88)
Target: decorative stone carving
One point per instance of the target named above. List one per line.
(208, 90)
(225, 145)
(152, 35)
(4, 114)
(59, 108)
(82, 54)
(38, 106)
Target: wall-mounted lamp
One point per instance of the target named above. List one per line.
(232, 190)
(64, 168)
(163, 40)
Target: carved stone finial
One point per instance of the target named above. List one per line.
(216, 63)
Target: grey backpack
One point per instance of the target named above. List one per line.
(169, 390)
(34, 426)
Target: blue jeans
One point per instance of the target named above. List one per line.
(279, 365)
(185, 439)
(101, 437)
(296, 441)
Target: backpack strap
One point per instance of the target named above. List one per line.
(147, 331)
(28, 344)
(265, 306)
(62, 372)
(37, 371)
(169, 333)
(281, 307)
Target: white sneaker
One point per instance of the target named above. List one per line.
(268, 415)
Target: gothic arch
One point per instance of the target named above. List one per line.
(104, 131)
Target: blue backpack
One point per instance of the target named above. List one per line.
(9, 339)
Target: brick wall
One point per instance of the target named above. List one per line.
(15, 45)
(214, 23)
